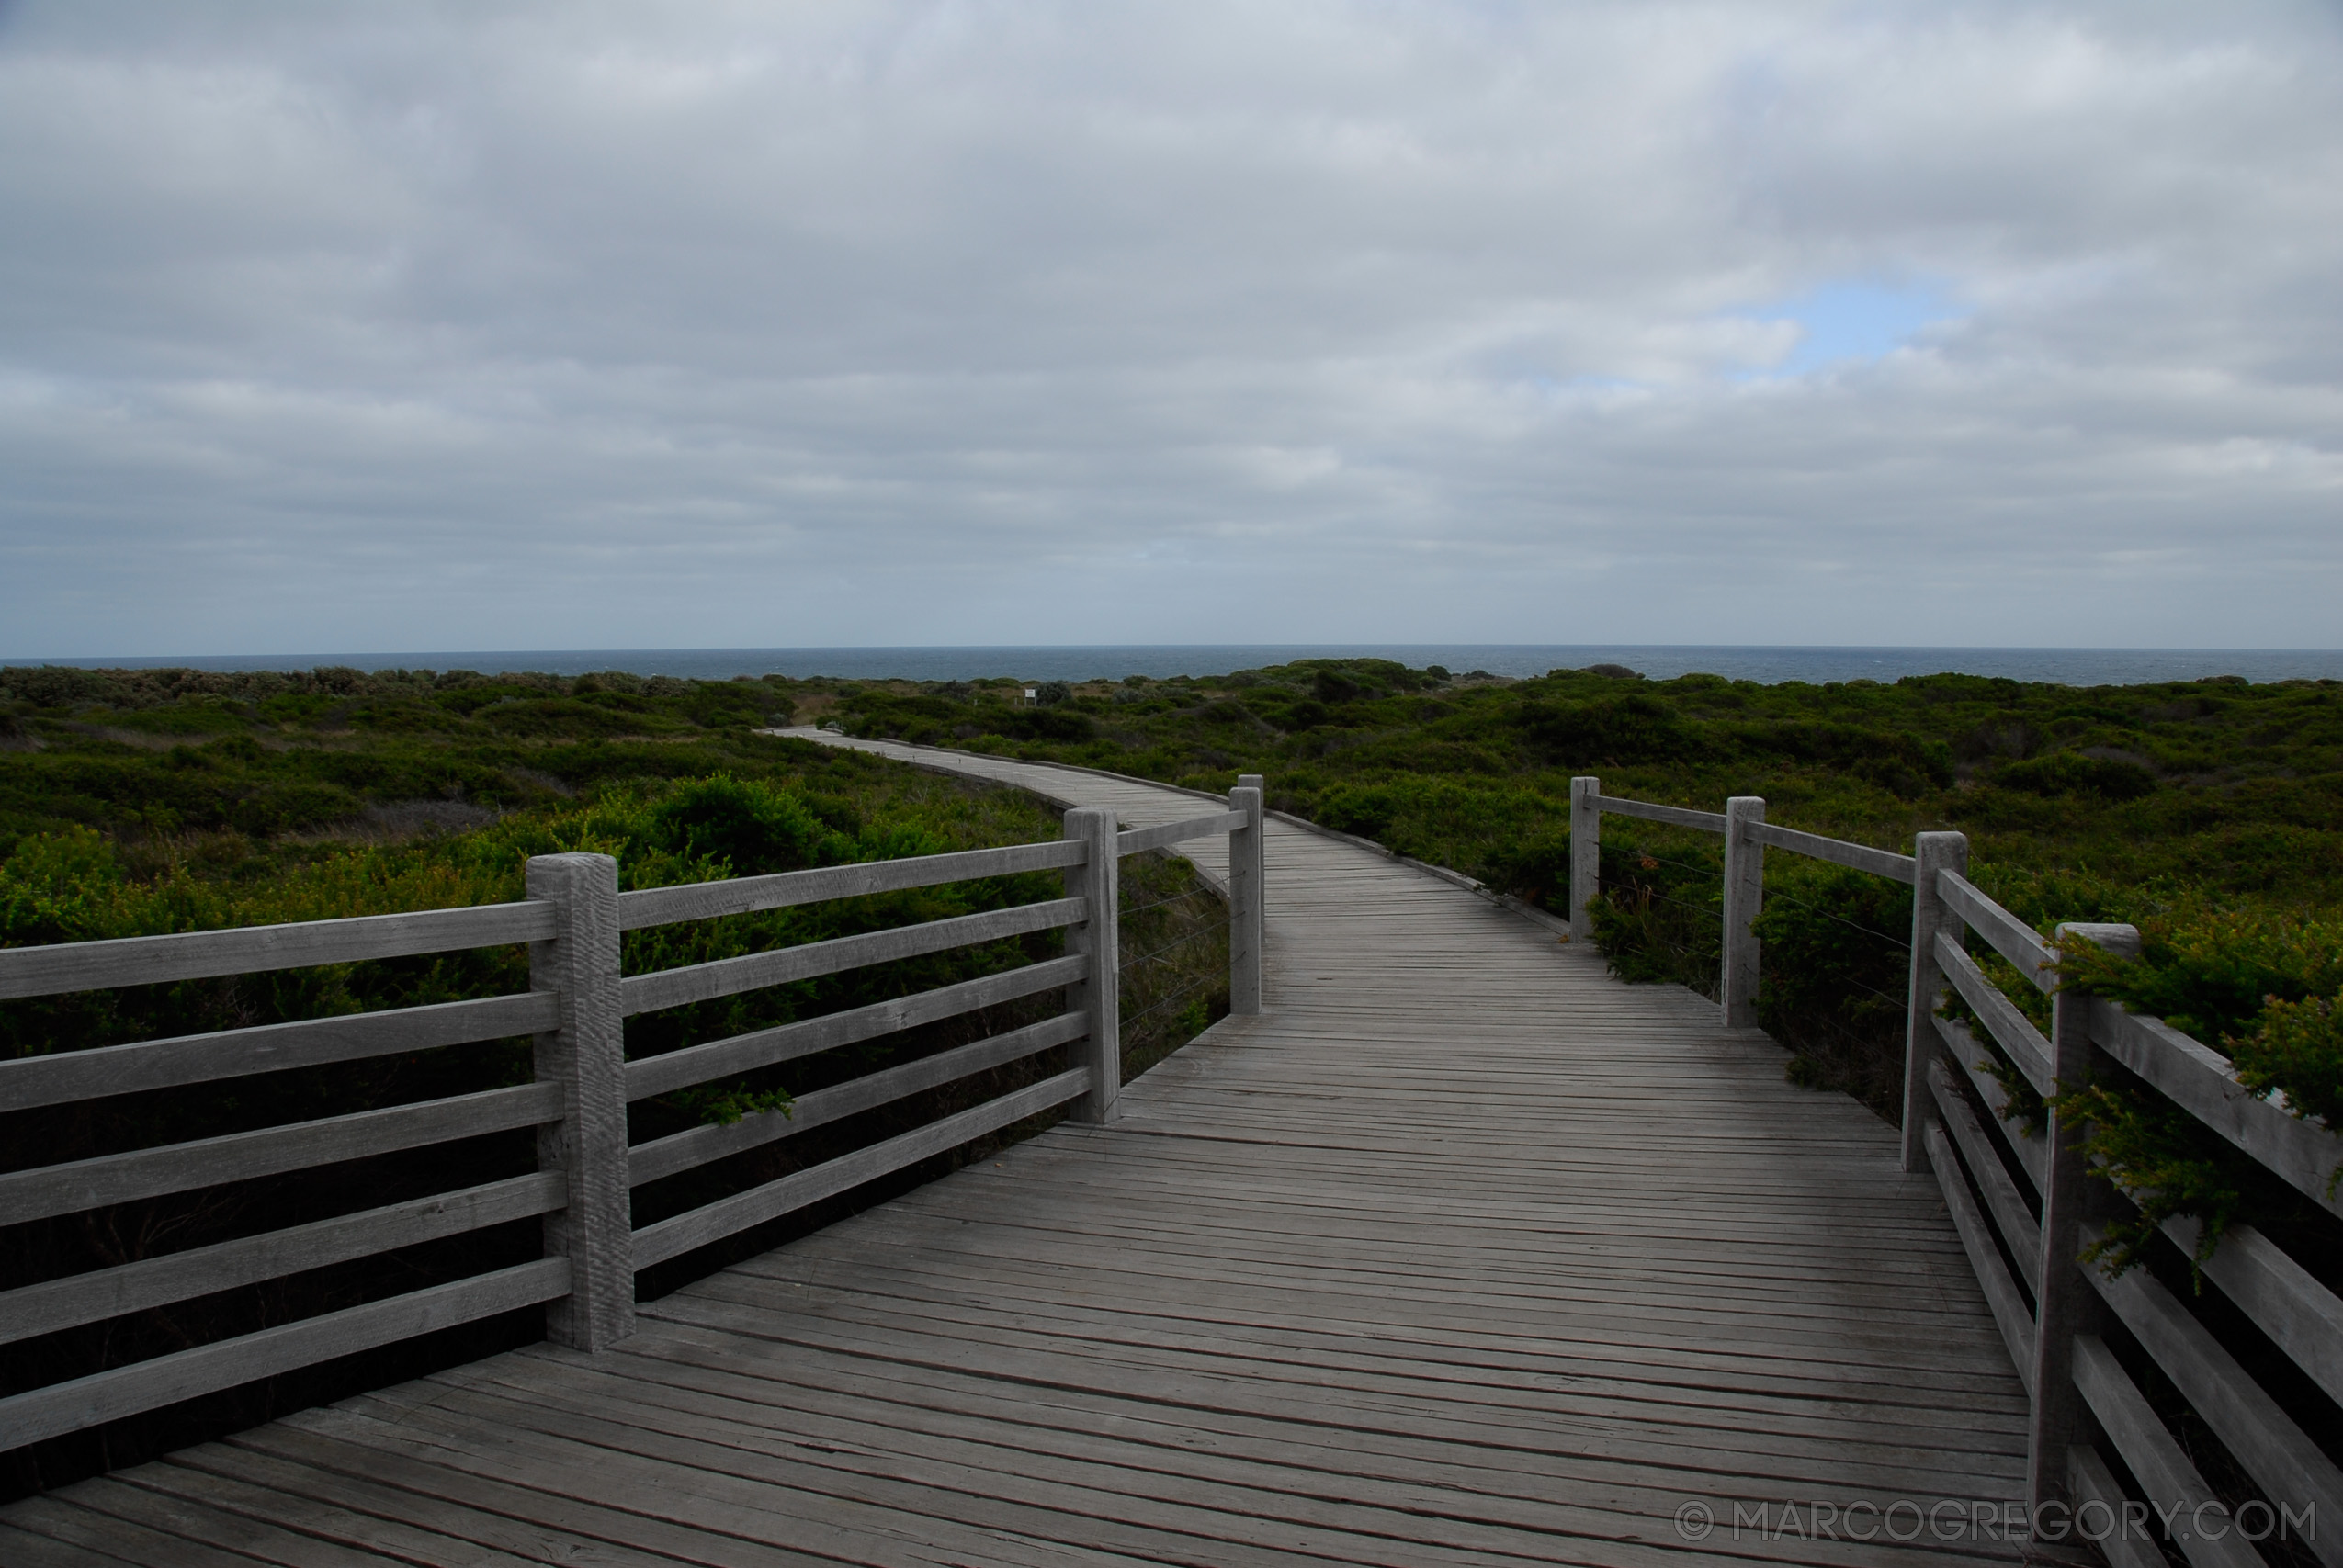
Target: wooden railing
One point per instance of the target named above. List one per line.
(578, 1000)
(2026, 1207)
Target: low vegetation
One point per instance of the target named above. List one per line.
(2208, 813)
(134, 803)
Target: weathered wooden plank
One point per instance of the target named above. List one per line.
(2302, 1154)
(2011, 1213)
(1377, 1286)
(145, 1386)
(31, 1081)
(807, 1504)
(1838, 852)
(673, 1070)
(646, 907)
(2088, 1481)
(23, 1548)
(2161, 1467)
(1169, 1412)
(76, 1298)
(397, 1503)
(697, 1145)
(331, 1524)
(245, 950)
(1477, 1366)
(186, 1522)
(112, 1540)
(1184, 1490)
(1679, 1436)
(672, 1237)
(1138, 840)
(730, 976)
(2008, 935)
(238, 1157)
(1076, 1503)
(2009, 1311)
(2034, 1155)
(759, 1412)
(2302, 1316)
(589, 1498)
(1482, 1374)
(2273, 1450)
(2024, 1044)
(1163, 1317)
(1675, 815)
(1612, 1255)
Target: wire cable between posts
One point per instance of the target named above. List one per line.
(1130, 964)
(1855, 925)
(1158, 1005)
(1158, 903)
(1641, 892)
(1680, 865)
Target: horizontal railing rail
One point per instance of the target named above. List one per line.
(1675, 815)
(253, 950)
(1137, 840)
(739, 1053)
(29, 1082)
(782, 966)
(1838, 852)
(648, 907)
(2026, 1207)
(578, 1103)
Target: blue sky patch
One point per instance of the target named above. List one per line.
(1852, 320)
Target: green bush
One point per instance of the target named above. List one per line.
(2065, 774)
(1834, 980)
(1660, 917)
(747, 827)
(2262, 987)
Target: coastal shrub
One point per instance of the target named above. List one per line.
(2210, 812)
(1833, 983)
(2262, 987)
(1658, 917)
(2108, 778)
(748, 827)
(1611, 731)
(782, 806)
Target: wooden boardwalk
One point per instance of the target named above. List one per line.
(1462, 1252)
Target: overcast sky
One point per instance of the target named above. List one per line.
(412, 327)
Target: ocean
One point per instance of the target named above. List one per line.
(2066, 666)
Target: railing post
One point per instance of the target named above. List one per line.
(585, 1054)
(1932, 853)
(1248, 884)
(1586, 854)
(1737, 987)
(2067, 1305)
(1099, 997)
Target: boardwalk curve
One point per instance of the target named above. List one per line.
(1460, 1253)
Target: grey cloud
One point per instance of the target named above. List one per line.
(735, 325)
